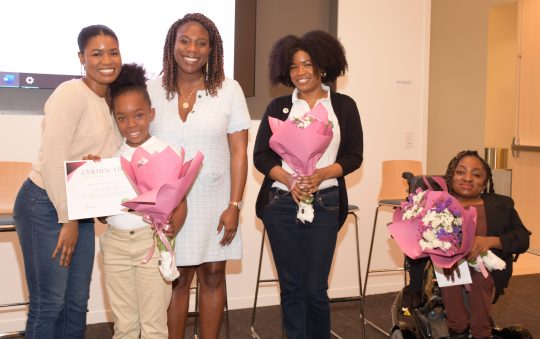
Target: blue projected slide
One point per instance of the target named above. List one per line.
(9, 79)
(33, 80)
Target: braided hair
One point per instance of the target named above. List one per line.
(214, 73)
(455, 161)
(132, 77)
(326, 52)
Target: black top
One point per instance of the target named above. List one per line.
(349, 154)
(503, 221)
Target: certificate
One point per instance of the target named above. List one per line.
(464, 276)
(96, 188)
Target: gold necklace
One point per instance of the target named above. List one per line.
(185, 104)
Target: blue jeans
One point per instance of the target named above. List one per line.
(303, 256)
(58, 295)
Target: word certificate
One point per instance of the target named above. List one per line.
(96, 188)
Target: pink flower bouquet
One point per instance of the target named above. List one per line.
(301, 142)
(433, 223)
(161, 180)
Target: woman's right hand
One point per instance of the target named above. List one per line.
(67, 240)
(300, 192)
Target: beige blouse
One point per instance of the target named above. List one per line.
(77, 122)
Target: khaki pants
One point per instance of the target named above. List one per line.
(138, 295)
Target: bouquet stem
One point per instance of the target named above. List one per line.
(305, 210)
(167, 260)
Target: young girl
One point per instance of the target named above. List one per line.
(138, 294)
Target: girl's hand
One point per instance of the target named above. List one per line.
(177, 219)
(67, 240)
(229, 220)
(92, 157)
(102, 220)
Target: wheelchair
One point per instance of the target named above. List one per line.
(418, 309)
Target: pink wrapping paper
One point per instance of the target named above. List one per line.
(406, 232)
(301, 148)
(162, 180)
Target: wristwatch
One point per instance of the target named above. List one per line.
(237, 204)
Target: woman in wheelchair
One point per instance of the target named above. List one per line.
(498, 229)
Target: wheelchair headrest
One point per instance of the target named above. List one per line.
(417, 181)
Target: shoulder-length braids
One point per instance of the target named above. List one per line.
(214, 73)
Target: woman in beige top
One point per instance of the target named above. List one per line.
(58, 252)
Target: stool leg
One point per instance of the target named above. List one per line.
(368, 271)
(252, 325)
(364, 320)
(371, 249)
(196, 313)
(359, 275)
(227, 325)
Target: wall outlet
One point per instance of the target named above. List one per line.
(409, 139)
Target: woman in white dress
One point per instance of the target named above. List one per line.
(197, 108)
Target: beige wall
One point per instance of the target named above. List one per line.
(457, 82)
(472, 92)
(501, 83)
(387, 44)
(526, 165)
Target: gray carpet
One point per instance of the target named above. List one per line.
(520, 305)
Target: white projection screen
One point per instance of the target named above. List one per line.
(39, 37)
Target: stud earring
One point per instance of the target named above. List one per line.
(323, 75)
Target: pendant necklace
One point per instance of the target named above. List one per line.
(185, 104)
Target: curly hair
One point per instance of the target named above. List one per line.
(326, 52)
(455, 161)
(132, 77)
(214, 73)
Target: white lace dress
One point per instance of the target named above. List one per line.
(205, 130)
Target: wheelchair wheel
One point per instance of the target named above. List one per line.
(402, 331)
(512, 332)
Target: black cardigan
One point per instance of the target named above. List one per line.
(349, 154)
(503, 221)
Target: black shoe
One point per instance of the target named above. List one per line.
(456, 335)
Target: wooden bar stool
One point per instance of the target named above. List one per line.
(12, 174)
